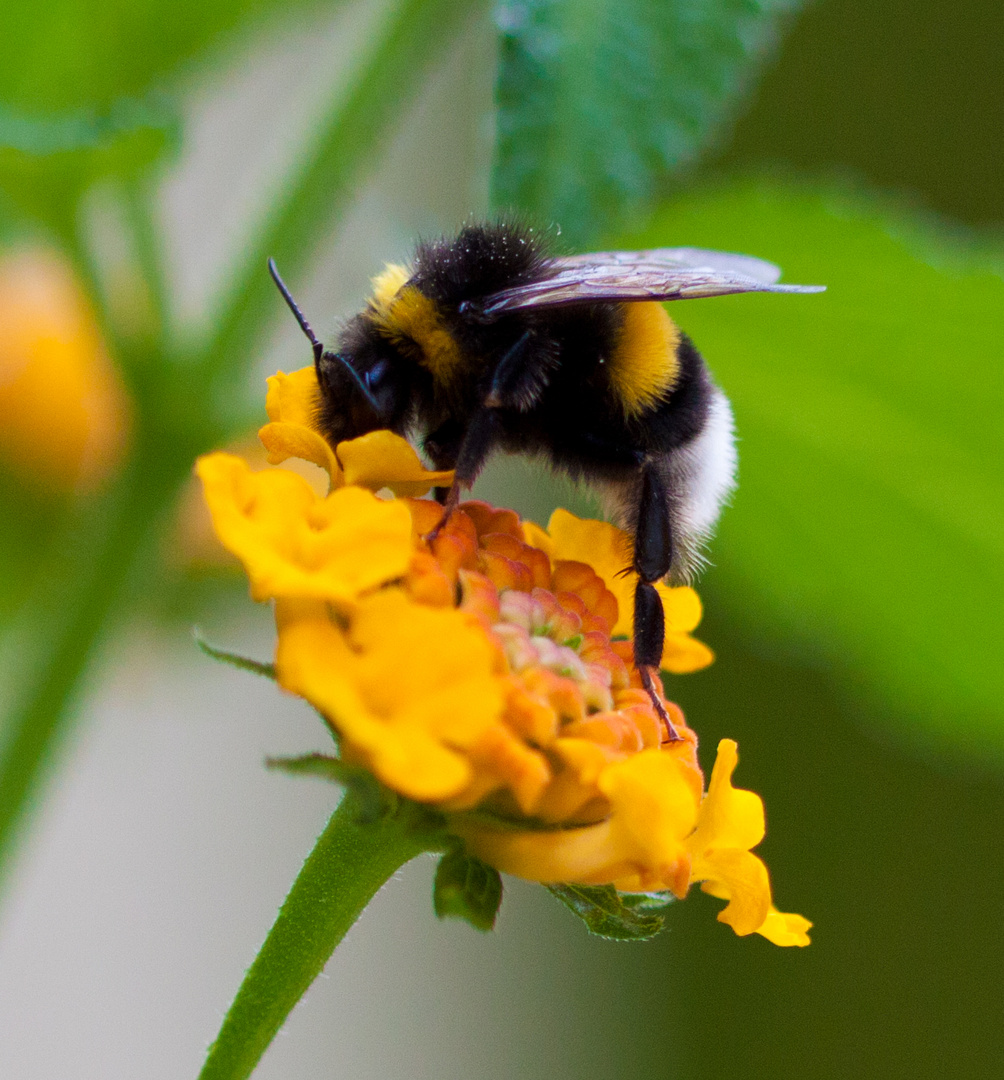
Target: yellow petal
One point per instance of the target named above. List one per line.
(536, 537)
(739, 877)
(403, 705)
(294, 543)
(682, 606)
(292, 403)
(587, 760)
(784, 929)
(283, 441)
(427, 648)
(315, 660)
(608, 551)
(652, 807)
(682, 654)
(381, 459)
(730, 817)
(730, 822)
(294, 398)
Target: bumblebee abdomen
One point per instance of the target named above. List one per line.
(643, 364)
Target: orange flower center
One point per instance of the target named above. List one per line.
(574, 703)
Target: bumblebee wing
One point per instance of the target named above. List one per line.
(620, 276)
(681, 258)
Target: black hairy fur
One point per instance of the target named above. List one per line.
(535, 382)
(479, 261)
(542, 371)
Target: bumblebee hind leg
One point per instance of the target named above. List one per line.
(653, 556)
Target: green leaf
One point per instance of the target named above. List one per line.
(46, 162)
(465, 888)
(245, 663)
(612, 914)
(84, 89)
(43, 135)
(869, 520)
(600, 100)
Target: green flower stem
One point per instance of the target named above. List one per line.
(83, 591)
(349, 863)
(347, 144)
(138, 205)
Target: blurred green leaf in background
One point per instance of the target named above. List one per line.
(868, 524)
(78, 54)
(89, 90)
(600, 100)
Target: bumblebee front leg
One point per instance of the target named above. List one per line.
(478, 442)
(443, 446)
(653, 556)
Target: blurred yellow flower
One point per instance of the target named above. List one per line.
(480, 673)
(64, 412)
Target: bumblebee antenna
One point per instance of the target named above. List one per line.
(317, 346)
(297, 313)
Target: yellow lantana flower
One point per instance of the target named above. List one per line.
(376, 460)
(485, 674)
(608, 550)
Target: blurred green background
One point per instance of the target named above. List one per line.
(856, 594)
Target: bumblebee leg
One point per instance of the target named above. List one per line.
(443, 446)
(521, 374)
(653, 541)
(449, 499)
(653, 556)
(478, 442)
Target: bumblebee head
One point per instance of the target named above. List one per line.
(364, 386)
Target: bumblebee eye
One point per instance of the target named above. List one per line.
(377, 374)
(347, 368)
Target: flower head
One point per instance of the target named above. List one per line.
(484, 673)
(64, 413)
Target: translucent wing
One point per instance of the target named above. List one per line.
(682, 258)
(659, 274)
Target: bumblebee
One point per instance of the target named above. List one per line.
(489, 342)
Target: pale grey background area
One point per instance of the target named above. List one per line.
(150, 877)
(157, 867)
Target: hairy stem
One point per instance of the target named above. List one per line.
(349, 863)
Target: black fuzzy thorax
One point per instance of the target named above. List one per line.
(481, 260)
(575, 420)
(578, 423)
